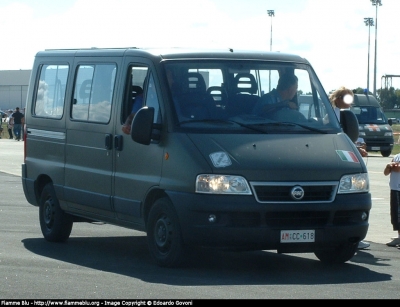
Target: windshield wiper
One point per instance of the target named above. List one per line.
(226, 121)
(294, 124)
(254, 127)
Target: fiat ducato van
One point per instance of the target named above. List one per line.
(199, 168)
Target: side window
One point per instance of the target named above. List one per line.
(140, 91)
(50, 91)
(152, 99)
(135, 84)
(93, 92)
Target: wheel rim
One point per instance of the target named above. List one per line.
(163, 233)
(48, 213)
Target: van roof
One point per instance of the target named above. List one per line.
(176, 53)
(365, 100)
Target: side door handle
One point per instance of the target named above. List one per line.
(118, 142)
(108, 141)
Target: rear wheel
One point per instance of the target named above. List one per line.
(340, 254)
(164, 234)
(56, 225)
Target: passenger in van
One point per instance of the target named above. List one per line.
(126, 127)
(279, 98)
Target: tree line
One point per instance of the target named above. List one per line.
(389, 98)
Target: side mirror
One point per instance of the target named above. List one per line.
(390, 122)
(144, 130)
(349, 123)
(142, 126)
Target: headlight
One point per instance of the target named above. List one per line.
(222, 184)
(355, 183)
(361, 133)
(389, 133)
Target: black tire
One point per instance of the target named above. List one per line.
(56, 225)
(386, 153)
(164, 235)
(341, 254)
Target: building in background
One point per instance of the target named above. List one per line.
(13, 88)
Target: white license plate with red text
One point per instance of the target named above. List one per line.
(297, 236)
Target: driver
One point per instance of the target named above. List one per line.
(279, 98)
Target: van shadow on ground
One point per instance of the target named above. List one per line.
(129, 256)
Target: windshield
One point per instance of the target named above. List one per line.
(369, 115)
(251, 96)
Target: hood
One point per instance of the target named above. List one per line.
(278, 157)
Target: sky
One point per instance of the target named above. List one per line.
(330, 34)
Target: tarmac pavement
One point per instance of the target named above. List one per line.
(11, 156)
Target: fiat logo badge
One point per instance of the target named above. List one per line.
(297, 192)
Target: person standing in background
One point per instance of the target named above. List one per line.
(10, 124)
(18, 122)
(23, 124)
(393, 168)
(342, 98)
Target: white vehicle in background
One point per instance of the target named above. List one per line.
(394, 120)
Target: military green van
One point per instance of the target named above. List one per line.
(374, 127)
(200, 167)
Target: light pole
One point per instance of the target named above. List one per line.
(376, 3)
(271, 13)
(368, 22)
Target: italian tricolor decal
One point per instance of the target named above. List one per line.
(348, 156)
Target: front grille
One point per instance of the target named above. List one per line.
(291, 219)
(299, 219)
(303, 217)
(281, 192)
(244, 219)
(377, 142)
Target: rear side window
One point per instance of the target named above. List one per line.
(93, 92)
(50, 91)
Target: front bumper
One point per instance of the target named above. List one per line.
(241, 222)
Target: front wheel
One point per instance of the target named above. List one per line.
(386, 153)
(56, 225)
(164, 234)
(340, 254)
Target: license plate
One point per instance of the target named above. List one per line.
(297, 236)
(375, 148)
